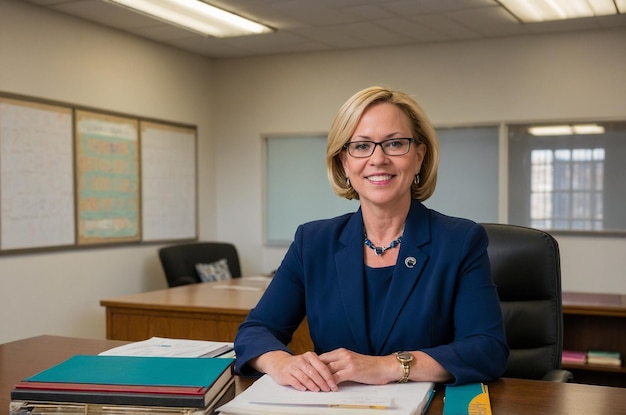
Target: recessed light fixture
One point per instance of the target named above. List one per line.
(543, 10)
(197, 16)
(566, 129)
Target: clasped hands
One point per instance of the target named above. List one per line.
(309, 371)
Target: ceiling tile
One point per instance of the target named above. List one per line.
(106, 13)
(317, 25)
(488, 21)
(414, 30)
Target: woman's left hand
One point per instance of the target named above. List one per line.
(346, 365)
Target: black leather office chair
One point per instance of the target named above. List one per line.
(179, 261)
(526, 267)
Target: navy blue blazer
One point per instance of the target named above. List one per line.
(441, 300)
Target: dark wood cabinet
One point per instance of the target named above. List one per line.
(595, 322)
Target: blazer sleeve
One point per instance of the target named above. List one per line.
(268, 327)
(478, 351)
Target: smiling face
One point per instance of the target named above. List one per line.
(383, 181)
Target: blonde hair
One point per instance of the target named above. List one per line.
(345, 123)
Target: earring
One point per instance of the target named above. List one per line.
(416, 180)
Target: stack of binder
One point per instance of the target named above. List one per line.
(603, 357)
(111, 385)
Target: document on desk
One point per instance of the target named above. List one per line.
(253, 283)
(238, 287)
(265, 396)
(166, 347)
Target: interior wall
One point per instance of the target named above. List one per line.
(55, 57)
(544, 77)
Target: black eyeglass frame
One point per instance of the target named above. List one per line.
(346, 146)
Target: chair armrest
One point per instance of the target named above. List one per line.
(558, 375)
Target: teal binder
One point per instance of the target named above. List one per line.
(468, 399)
(136, 370)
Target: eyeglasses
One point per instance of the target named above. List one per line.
(391, 147)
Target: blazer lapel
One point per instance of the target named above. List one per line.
(411, 262)
(350, 273)
(350, 267)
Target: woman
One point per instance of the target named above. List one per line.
(392, 292)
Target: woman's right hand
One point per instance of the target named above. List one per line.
(302, 372)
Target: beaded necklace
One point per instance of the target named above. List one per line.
(380, 250)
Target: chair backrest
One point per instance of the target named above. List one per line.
(179, 261)
(526, 268)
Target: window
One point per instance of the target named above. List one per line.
(569, 179)
(566, 190)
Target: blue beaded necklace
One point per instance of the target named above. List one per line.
(380, 249)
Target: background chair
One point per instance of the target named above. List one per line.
(179, 261)
(526, 267)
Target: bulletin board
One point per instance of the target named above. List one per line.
(36, 175)
(75, 177)
(107, 178)
(168, 177)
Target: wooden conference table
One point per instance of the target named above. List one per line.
(204, 311)
(26, 357)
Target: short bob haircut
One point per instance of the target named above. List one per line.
(345, 123)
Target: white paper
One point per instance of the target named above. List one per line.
(265, 396)
(164, 347)
(252, 283)
(237, 287)
(269, 392)
(260, 278)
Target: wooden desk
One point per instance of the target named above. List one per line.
(205, 311)
(595, 322)
(23, 358)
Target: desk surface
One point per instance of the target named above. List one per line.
(205, 311)
(23, 358)
(235, 296)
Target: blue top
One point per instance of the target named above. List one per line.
(377, 283)
(441, 298)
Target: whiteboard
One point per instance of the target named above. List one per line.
(36, 177)
(297, 186)
(468, 177)
(168, 177)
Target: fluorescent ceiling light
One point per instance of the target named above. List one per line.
(544, 10)
(551, 130)
(588, 129)
(197, 16)
(566, 129)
